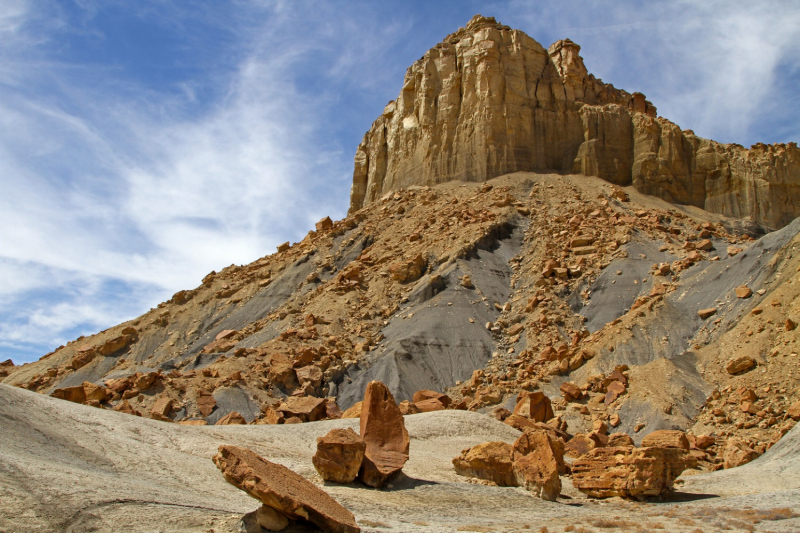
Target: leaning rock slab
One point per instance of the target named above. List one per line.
(285, 491)
(538, 460)
(339, 455)
(534, 405)
(628, 472)
(384, 432)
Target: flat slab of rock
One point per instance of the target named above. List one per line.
(628, 472)
(666, 438)
(384, 432)
(285, 491)
(339, 455)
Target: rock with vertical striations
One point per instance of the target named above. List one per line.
(489, 100)
(385, 435)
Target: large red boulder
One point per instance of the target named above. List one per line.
(384, 432)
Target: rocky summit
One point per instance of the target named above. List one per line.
(543, 293)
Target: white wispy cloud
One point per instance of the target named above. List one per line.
(116, 192)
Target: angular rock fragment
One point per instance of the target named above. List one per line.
(740, 364)
(384, 432)
(339, 455)
(666, 438)
(161, 409)
(75, 394)
(619, 439)
(706, 313)
(492, 461)
(206, 403)
(538, 469)
(306, 408)
(628, 472)
(354, 411)
(283, 490)
(534, 405)
(231, 419)
(743, 291)
(422, 395)
(737, 453)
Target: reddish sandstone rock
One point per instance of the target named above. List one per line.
(492, 461)
(538, 459)
(570, 391)
(125, 407)
(339, 455)
(82, 358)
(628, 472)
(743, 291)
(332, 411)
(737, 453)
(285, 491)
(534, 405)
(145, 381)
(666, 438)
(309, 374)
(306, 408)
(118, 343)
(408, 270)
(422, 395)
(408, 408)
(354, 411)
(740, 364)
(613, 391)
(161, 409)
(579, 445)
(429, 405)
(794, 411)
(95, 392)
(324, 224)
(231, 419)
(519, 422)
(619, 439)
(706, 313)
(71, 394)
(385, 435)
(273, 416)
(206, 403)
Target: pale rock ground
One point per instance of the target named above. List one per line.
(73, 468)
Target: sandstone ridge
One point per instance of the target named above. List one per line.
(490, 100)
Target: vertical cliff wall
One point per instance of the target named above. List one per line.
(490, 100)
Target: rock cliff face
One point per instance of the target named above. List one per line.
(490, 100)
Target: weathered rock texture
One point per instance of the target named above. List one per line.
(490, 100)
(627, 471)
(339, 455)
(285, 491)
(385, 435)
(492, 461)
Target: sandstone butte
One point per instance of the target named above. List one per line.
(490, 100)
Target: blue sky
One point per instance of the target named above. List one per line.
(144, 144)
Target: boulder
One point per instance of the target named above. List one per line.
(306, 408)
(354, 411)
(492, 461)
(161, 409)
(231, 419)
(384, 432)
(95, 392)
(125, 407)
(794, 411)
(206, 403)
(287, 492)
(740, 364)
(570, 391)
(408, 270)
(429, 405)
(628, 472)
(422, 395)
(324, 224)
(332, 411)
(532, 440)
(339, 455)
(579, 445)
(534, 405)
(737, 453)
(309, 374)
(743, 291)
(408, 408)
(538, 471)
(75, 394)
(666, 438)
(619, 439)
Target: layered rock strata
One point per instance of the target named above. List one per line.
(490, 100)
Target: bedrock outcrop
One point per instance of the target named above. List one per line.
(490, 100)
